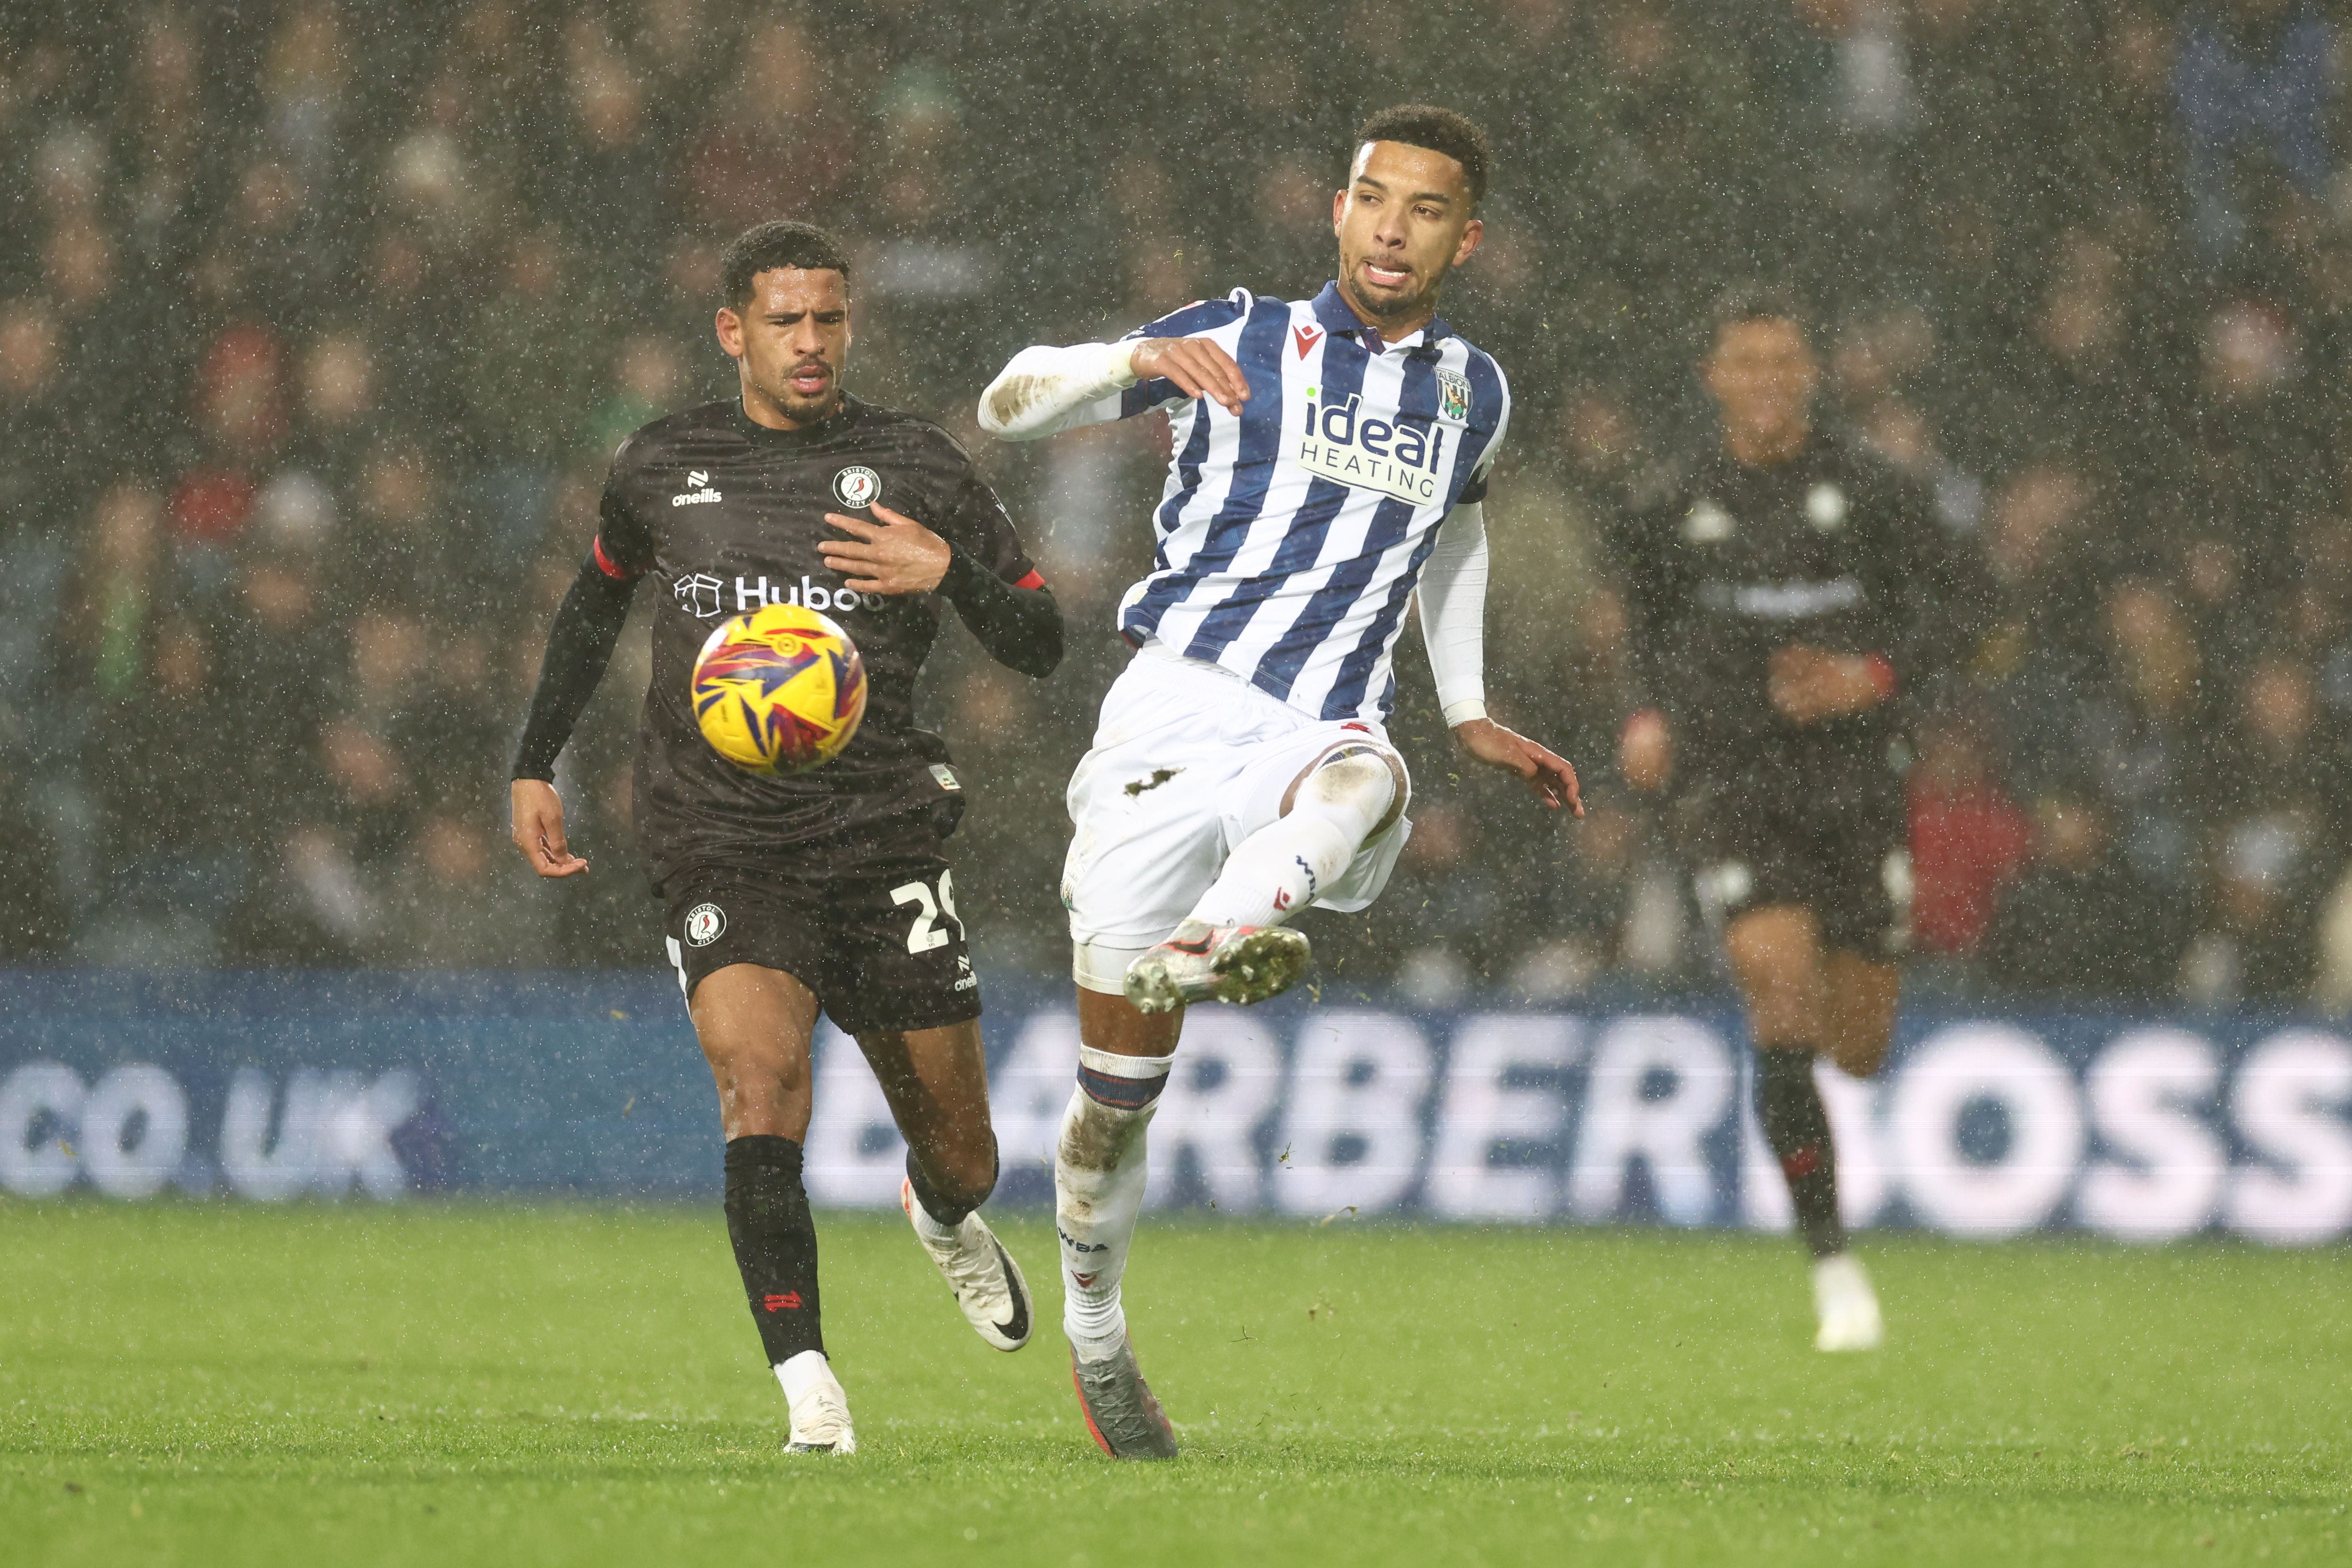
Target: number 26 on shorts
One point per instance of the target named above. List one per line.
(927, 934)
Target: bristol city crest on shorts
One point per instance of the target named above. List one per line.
(857, 486)
(705, 923)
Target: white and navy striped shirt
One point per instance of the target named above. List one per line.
(1290, 537)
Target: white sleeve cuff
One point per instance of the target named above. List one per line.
(1463, 711)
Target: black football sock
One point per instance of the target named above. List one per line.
(1797, 1126)
(775, 1242)
(949, 1211)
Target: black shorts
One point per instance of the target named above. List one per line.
(875, 935)
(1839, 846)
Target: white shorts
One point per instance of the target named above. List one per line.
(1189, 760)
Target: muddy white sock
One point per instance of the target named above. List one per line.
(1099, 1171)
(929, 1228)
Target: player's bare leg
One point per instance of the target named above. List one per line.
(936, 1083)
(1233, 947)
(1785, 978)
(755, 1025)
(1100, 1170)
(1858, 1011)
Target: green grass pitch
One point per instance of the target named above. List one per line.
(464, 1384)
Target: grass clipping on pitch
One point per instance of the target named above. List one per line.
(456, 1385)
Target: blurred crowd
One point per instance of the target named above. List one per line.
(319, 322)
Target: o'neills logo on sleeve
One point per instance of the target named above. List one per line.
(1340, 443)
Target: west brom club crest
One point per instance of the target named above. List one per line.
(1453, 397)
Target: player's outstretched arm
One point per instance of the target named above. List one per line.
(1452, 602)
(579, 646)
(1045, 389)
(1019, 624)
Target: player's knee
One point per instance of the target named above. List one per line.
(967, 1184)
(1366, 784)
(1859, 1059)
(1775, 951)
(1776, 977)
(1362, 776)
(955, 1175)
(752, 1053)
(1858, 1046)
(1782, 1011)
(1783, 1001)
(973, 1170)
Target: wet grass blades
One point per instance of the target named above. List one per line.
(460, 1385)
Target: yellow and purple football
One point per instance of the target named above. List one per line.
(779, 690)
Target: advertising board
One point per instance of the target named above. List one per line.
(1982, 1124)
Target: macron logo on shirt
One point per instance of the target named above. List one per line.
(1394, 460)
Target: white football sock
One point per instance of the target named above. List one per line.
(1099, 1171)
(1282, 867)
(803, 1375)
(926, 1226)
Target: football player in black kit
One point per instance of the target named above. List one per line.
(826, 890)
(1789, 596)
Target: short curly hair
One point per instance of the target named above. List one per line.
(779, 242)
(1439, 130)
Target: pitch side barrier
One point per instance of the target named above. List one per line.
(314, 1086)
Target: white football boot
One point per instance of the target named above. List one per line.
(820, 1407)
(1846, 1305)
(986, 1281)
(1202, 963)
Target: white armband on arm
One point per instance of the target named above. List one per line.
(1454, 614)
(1044, 390)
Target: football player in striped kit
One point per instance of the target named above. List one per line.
(1330, 456)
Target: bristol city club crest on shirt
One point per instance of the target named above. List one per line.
(857, 486)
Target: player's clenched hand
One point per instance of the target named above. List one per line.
(892, 555)
(1553, 778)
(1198, 367)
(539, 829)
(1807, 685)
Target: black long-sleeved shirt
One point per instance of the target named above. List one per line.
(725, 516)
(1725, 565)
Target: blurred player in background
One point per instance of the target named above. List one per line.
(1791, 596)
(825, 890)
(1330, 457)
